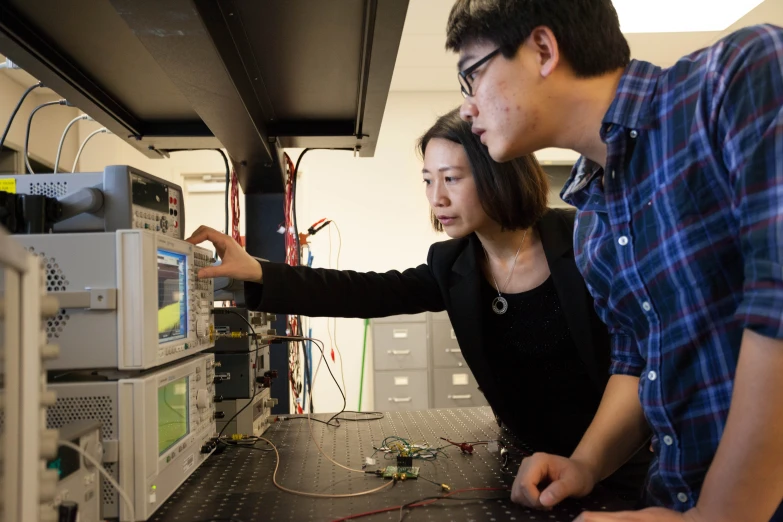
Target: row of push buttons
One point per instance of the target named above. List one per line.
(173, 200)
(147, 226)
(173, 349)
(147, 215)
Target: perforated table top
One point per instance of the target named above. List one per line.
(236, 485)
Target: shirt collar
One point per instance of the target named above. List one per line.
(631, 108)
(632, 104)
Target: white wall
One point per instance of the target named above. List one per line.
(380, 207)
(47, 126)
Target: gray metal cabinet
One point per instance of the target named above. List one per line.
(454, 388)
(419, 365)
(400, 345)
(445, 349)
(401, 390)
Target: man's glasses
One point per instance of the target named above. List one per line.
(465, 82)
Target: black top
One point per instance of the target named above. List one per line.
(536, 357)
(451, 281)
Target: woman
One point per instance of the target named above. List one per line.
(519, 308)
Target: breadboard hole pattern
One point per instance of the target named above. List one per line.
(237, 483)
(52, 189)
(97, 407)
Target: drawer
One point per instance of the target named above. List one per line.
(403, 390)
(445, 349)
(413, 318)
(399, 345)
(455, 388)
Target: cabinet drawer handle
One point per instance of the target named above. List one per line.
(400, 399)
(399, 352)
(460, 397)
(453, 350)
(453, 335)
(400, 333)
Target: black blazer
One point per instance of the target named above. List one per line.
(449, 281)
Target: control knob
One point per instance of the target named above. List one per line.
(202, 400)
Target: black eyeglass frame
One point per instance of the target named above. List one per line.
(466, 87)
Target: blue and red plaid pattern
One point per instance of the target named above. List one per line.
(680, 238)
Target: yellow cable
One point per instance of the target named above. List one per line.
(318, 495)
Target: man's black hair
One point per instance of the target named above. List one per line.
(587, 31)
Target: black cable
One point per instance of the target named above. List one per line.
(16, 109)
(27, 132)
(378, 416)
(228, 186)
(308, 380)
(228, 178)
(320, 346)
(238, 444)
(255, 373)
(345, 402)
(293, 203)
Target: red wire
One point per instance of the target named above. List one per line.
(235, 206)
(418, 504)
(291, 259)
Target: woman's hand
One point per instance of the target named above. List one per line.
(236, 262)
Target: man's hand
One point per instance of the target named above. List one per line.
(236, 262)
(566, 478)
(645, 515)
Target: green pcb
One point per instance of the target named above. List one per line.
(409, 473)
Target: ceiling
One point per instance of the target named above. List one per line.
(424, 65)
(253, 77)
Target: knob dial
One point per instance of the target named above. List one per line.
(202, 400)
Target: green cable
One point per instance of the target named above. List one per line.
(361, 377)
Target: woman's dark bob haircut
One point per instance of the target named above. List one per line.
(513, 194)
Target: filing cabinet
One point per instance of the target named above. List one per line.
(445, 349)
(400, 345)
(455, 388)
(419, 365)
(401, 390)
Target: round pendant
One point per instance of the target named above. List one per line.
(499, 305)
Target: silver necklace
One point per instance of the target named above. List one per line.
(499, 304)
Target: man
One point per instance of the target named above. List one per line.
(679, 237)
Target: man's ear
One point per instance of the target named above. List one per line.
(543, 43)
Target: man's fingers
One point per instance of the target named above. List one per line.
(555, 493)
(531, 473)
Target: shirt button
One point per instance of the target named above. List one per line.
(682, 497)
(634, 134)
(668, 441)
(623, 240)
(652, 376)
(646, 306)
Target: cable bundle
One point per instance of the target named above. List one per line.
(292, 259)
(235, 207)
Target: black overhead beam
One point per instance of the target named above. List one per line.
(202, 60)
(252, 76)
(42, 58)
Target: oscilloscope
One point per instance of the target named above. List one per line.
(129, 300)
(153, 428)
